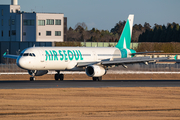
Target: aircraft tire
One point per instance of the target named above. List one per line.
(95, 78)
(56, 76)
(99, 78)
(32, 78)
(61, 76)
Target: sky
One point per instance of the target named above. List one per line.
(104, 14)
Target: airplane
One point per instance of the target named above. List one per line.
(95, 61)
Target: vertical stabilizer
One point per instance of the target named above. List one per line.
(125, 39)
(14, 2)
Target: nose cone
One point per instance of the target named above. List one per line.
(22, 62)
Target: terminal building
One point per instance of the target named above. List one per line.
(23, 26)
(20, 29)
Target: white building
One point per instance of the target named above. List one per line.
(23, 26)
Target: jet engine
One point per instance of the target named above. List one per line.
(95, 71)
(37, 72)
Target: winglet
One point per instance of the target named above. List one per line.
(175, 57)
(4, 53)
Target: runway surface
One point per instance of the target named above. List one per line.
(86, 83)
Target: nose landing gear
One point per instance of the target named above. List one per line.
(32, 78)
(32, 74)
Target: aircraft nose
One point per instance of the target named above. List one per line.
(21, 62)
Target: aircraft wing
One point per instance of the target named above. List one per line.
(121, 61)
(132, 60)
(11, 56)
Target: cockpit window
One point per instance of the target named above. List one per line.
(28, 54)
(25, 54)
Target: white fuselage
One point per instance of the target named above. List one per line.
(63, 58)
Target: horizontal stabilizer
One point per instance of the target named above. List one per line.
(148, 52)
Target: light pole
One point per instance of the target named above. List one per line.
(17, 52)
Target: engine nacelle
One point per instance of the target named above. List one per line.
(38, 72)
(95, 71)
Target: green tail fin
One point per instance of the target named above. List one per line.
(125, 39)
(175, 57)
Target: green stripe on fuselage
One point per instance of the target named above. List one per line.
(126, 52)
(123, 53)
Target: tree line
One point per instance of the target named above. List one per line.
(140, 33)
(81, 33)
(166, 47)
(161, 33)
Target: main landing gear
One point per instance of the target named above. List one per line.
(97, 78)
(59, 76)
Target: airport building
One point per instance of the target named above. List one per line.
(20, 29)
(23, 26)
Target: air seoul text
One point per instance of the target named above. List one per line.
(55, 55)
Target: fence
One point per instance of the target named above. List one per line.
(10, 68)
(152, 67)
(13, 68)
(106, 44)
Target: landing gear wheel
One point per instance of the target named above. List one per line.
(97, 78)
(94, 78)
(100, 78)
(32, 78)
(61, 76)
(56, 76)
(32, 73)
